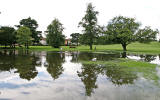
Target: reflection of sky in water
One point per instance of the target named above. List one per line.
(69, 86)
(156, 59)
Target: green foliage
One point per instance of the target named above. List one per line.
(7, 36)
(146, 34)
(89, 23)
(32, 25)
(122, 30)
(55, 38)
(24, 36)
(75, 38)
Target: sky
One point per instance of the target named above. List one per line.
(70, 12)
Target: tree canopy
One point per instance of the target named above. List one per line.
(146, 35)
(24, 36)
(122, 30)
(75, 38)
(32, 25)
(89, 23)
(7, 36)
(55, 38)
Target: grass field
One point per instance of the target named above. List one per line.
(150, 48)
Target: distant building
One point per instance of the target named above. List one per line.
(67, 42)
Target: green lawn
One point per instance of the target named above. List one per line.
(150, 48)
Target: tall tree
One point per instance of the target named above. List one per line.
(146, 34)
(89, 23)
(23, 36)
(122, 30)
(32, 25)
(75, 38)
(7, 36)
(55, 38)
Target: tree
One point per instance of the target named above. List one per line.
(32, 25)
(23, 36)
(89, 23)
(122, 30)
(146, 34)
(55, 38)
(7, 36)
(75, 38)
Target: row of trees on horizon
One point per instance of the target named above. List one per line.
(120, 29)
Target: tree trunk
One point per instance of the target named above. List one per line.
(27, 46)
(14, 46)
(124, 55)
(90, 46)
(124, 47)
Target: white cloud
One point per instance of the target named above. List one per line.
(70, 12)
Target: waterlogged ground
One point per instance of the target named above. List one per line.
(42, 75)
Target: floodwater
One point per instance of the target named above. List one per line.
(44, 75)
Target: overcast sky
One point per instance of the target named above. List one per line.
(70, 12)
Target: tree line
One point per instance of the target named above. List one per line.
(122, 30)
(25, 34)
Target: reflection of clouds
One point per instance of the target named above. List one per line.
(71, 68)
(6, 75)
(134, 57)
(14, 86)
(142, 90)
(25, 92)
(72, 90)
(69, 86)
(158, 71)
(156, 61)
(5, 99)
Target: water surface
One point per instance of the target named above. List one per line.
(44, 75)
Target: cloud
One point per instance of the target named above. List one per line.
(70, 12)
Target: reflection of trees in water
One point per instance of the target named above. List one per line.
(75, 56)
(26, 65)
(116, 74)
(23, 61)
(6, 61)
(124, 54)
(54, 66)
(89, 76)
(148, 58)
(85, 56)
(119, 75)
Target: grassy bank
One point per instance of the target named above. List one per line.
(126, 67)
(150, 48)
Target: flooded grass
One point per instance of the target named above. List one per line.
(146, 69)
